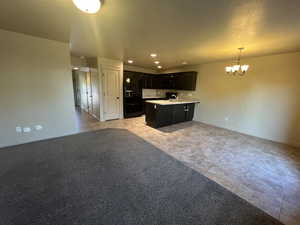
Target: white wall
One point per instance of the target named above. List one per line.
(35, 88)
(264, 103)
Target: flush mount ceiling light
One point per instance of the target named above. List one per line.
(159, 67)
(88, 6)
(75, 68)
(156, 62)
(237, 68)
(153, 55)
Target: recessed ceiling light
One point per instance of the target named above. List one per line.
(130, 61)
(159, 67)
(75, 68)
(88, 6)
(153, 55)
(156, 62)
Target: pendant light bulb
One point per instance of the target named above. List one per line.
(88, 6)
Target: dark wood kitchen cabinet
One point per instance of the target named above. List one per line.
(146, 81)
(164, 115)
(174, 81)
(185, 81)
(179, 113)
(162, 81)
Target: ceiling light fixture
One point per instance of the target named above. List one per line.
(153, 55)
(156, 62)
(130, 61)
(184, 63)
(237, 68)
(159, 67)
(75, 68)
(88, 6)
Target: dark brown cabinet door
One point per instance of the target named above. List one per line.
(164, 115)
(179, 113)
(146, 81)
(190, 111)
(185, 81)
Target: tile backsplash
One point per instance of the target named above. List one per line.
(157, 93)
(153, 93)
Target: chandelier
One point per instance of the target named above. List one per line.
(237, 68)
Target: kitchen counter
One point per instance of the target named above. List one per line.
(173, 102)
(161, 113)
(154, 98)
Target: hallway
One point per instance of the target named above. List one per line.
(85, 121)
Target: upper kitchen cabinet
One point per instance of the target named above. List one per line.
(174, 81)
(146, 80)
(163, 81)
(185, 80)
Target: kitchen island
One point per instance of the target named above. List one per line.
(161, 113)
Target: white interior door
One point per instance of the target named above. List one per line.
(111, 94)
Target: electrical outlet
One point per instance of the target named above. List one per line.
(19, 129)
(26, 129)
(38, 127)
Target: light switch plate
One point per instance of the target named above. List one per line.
(38, 127)
(26, 129)
(19, 129)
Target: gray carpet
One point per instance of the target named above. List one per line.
(111, 177)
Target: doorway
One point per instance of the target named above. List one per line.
(86, 91)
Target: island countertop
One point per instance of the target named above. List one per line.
(173, 102)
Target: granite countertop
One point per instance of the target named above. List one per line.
(153, 98)
(173, 102)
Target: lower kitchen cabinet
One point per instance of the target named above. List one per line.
(164, 115)
(179, 113)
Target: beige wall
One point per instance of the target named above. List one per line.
(264, 103)
(35, 88)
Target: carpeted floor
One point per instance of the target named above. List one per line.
(111, 177)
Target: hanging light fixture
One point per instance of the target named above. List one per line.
(237, 68)
(88, 6)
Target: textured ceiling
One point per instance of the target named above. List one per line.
(195, 31)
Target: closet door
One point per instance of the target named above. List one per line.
(111, 93)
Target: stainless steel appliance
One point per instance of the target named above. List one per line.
(171, 95)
